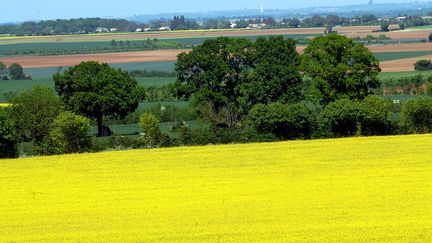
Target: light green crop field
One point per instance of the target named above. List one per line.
(388, 56)
(396, 75)
(372, 189)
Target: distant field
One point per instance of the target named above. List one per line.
(387, 56)
(22, 85)
(426, 27)
(48, 48)
(339, 190)
(396, 75)
(160, 35)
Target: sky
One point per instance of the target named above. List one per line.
(22, 10)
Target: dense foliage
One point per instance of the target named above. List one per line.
(96, 90)
(340, 68)
(8, 137)
(33, 113)
(240, 72)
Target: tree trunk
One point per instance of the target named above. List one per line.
(99, 120)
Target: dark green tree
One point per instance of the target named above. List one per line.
(239, 72)
(385, 26)
(341, 118)
(8, 136)
(275, 76)
(97, 90)
(376, 116)
(16, 71)
(417, 115)
(340, 68)
(284, 121)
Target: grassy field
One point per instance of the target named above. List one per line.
(22, 85)
(388, 56)
(343, 190)
(396, 75)
(97, 46)
(426, 27)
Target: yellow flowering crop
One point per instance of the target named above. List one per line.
(339, 190)
(2, 105)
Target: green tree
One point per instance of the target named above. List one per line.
(385, 26)
(376, 116)
(341, 118)
(8, 137)
(96, 90)
(16, 71)
(340, 68)
(150, 128)
(239, 72)
(68, 134)
(33, 112)
(284, 121)
(417, 115)
(423, 65)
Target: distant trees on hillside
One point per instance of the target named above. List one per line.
(13, 72)
(72, 26)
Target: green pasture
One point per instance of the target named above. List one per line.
(396, 75)
(388, 56)
(50, 48)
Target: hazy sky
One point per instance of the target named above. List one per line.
(20, 10)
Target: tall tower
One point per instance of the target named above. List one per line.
(262, 9)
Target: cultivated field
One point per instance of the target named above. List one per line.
(171, 55)
(340, 190)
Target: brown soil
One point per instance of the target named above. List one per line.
(122, 57)
(401, 65)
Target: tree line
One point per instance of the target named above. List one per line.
(239, 90)
(13, 72)
(64, 27)
(91, 25)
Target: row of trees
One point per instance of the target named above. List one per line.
(71, 26)
(241, 90)
(13, 72)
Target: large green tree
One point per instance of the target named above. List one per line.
(97, 90)
(239, 72)
(16, 71)
(340, 68)
(33, 112)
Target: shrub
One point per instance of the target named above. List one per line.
(284, 121)
(69, 133)
(8, 137)
(423, 65)
(150, 128)
(34, 111)
(417, 115)
(376, 116)
(341, 118)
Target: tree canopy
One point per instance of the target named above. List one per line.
(240, 72)
(97, 90)
(340, 68)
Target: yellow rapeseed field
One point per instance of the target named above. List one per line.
(3, 105)
(340, 190)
